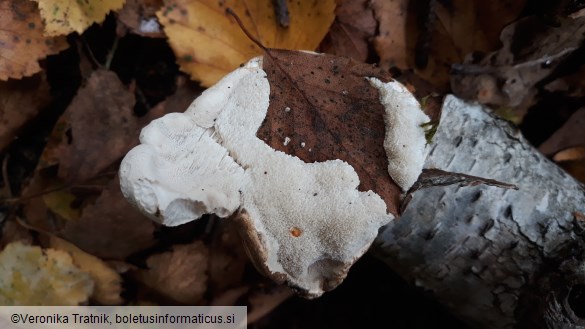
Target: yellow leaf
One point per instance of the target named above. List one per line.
(32, 276)
(22, 42)
(208, 43)
(65, 16)
(107, 281)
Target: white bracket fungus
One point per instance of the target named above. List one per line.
(304, 223)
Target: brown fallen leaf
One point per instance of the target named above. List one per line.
(108, 283)
(569, 135)
(335, 114)
(572, 85)
(12, 231)
(22, 43)
(532, 50)
(62, 17)
(41, 277)
(110, 228)
(444, 36)
(139, 17)
(263, 302)
(97, 129)
(209, 44)
(227, 259)
(20, 101)
(179, 275)
(351, 31)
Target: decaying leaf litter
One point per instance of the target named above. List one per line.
(73, 194)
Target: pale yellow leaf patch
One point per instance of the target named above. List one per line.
(65, 16)
(108, 283)
(209, 44)
(30, 275)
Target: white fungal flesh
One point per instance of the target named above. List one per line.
(311, 218)
(405, 141)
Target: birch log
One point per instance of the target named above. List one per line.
(497, 258)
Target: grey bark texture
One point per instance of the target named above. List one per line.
(497, 258)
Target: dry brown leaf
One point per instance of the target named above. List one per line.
(139, 16)
(97, 129)
(12, 231)
(20, 101)
(453, 32)
(22, 43)
(569, 135)
(227, 259)
(209, 44)
(108, 283)
(32, 276)
(263, 302)
(180, 274)
(110, 228)
(532, 49)
(62, 17)
(326, 98)
(351, 31)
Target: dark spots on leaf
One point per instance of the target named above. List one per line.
(15, 38)
(187, 58)
(327, 81)
(28, 41)
(31, 25)
(201, 29)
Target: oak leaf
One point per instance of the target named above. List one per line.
(209, 44)
(31, 276)
(22, 43)
(64, 17)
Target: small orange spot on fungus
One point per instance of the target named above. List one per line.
(296, 232)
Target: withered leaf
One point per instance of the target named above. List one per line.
(110, 228)
(351, 30)
(569, 135)
(20, 101)
(532, 50)
(22, 42)
(179, 275)
(97, 128)
(436, 177)
(322, 108)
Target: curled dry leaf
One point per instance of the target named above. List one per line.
(108, 283)
(179, 275)
(20, 101)
(209, 44)
(62, 17)
(227, 259)
(22, 43)
(573, 161)
(32, 276)
(350, 33)
(532, 50)
(450, 31)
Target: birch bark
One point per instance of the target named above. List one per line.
(498, 258)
